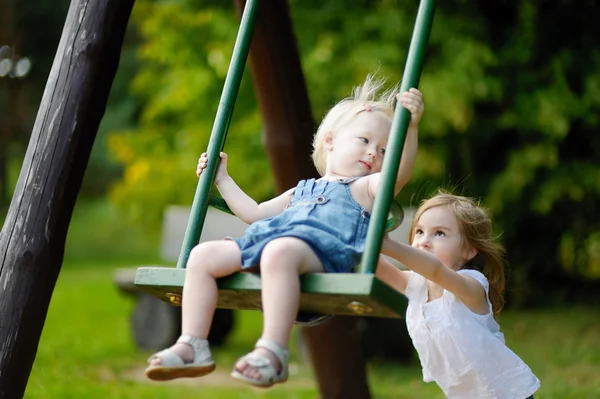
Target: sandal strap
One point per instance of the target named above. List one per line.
(256, 361)
(278, 351)
(200, 346)
(167, 358)
(195, 342)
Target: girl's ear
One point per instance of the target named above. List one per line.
(470, 253)
(328, 142)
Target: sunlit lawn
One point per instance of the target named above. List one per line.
(86, 352)
(86, 349)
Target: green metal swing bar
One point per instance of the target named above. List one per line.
(355, 294)
(391, 162)
(219, 130)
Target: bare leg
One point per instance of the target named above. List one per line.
(207, 262)
(282, 261)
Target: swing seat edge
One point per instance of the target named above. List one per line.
(350, 294)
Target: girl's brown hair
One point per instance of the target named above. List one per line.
(476, 227)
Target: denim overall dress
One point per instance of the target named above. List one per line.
(323, 214)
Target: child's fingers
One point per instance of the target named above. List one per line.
(201, 164)
(411, 91)
(203, 161)
(413, 96)
(200, 168)
(414, 107)
(416, 92)
(223, 159)
(412, 100)
(410, 103)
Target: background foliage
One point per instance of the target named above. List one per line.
(512, 92)
(511, 107)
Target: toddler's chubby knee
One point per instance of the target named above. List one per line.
(201, 255)
(285, 251)
(284, 247)
(196, 255)
(199, 250)
(216, 258)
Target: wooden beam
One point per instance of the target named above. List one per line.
(33, 236)
(280, 88)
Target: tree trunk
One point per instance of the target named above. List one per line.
(334, 347)
(33, 237)
(279, 84)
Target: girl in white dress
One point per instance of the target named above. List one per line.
(454, 288)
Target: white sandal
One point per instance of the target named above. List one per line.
(268, 374)
(172, 365)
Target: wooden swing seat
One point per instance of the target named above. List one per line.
(342, 294)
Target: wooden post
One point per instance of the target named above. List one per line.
(33, 236)
(334, 347)
(279, 84)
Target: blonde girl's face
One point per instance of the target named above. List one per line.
(358, 148)
(437, 232)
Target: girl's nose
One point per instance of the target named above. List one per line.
(423, 243)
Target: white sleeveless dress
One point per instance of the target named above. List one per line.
(462, 351)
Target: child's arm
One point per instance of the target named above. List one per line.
(466, 288)
(238, 201)
(412, 100)
(391, 275)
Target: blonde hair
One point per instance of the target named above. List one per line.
(368, 96)
(476, 228)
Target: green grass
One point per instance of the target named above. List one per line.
(86, 352)
(86, 349)
(101, 231)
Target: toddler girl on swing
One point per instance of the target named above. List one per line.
(454, 289)
(318, 226)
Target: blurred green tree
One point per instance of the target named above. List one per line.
(32, 30)
(533, 152)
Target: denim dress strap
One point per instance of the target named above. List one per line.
(349, 179)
